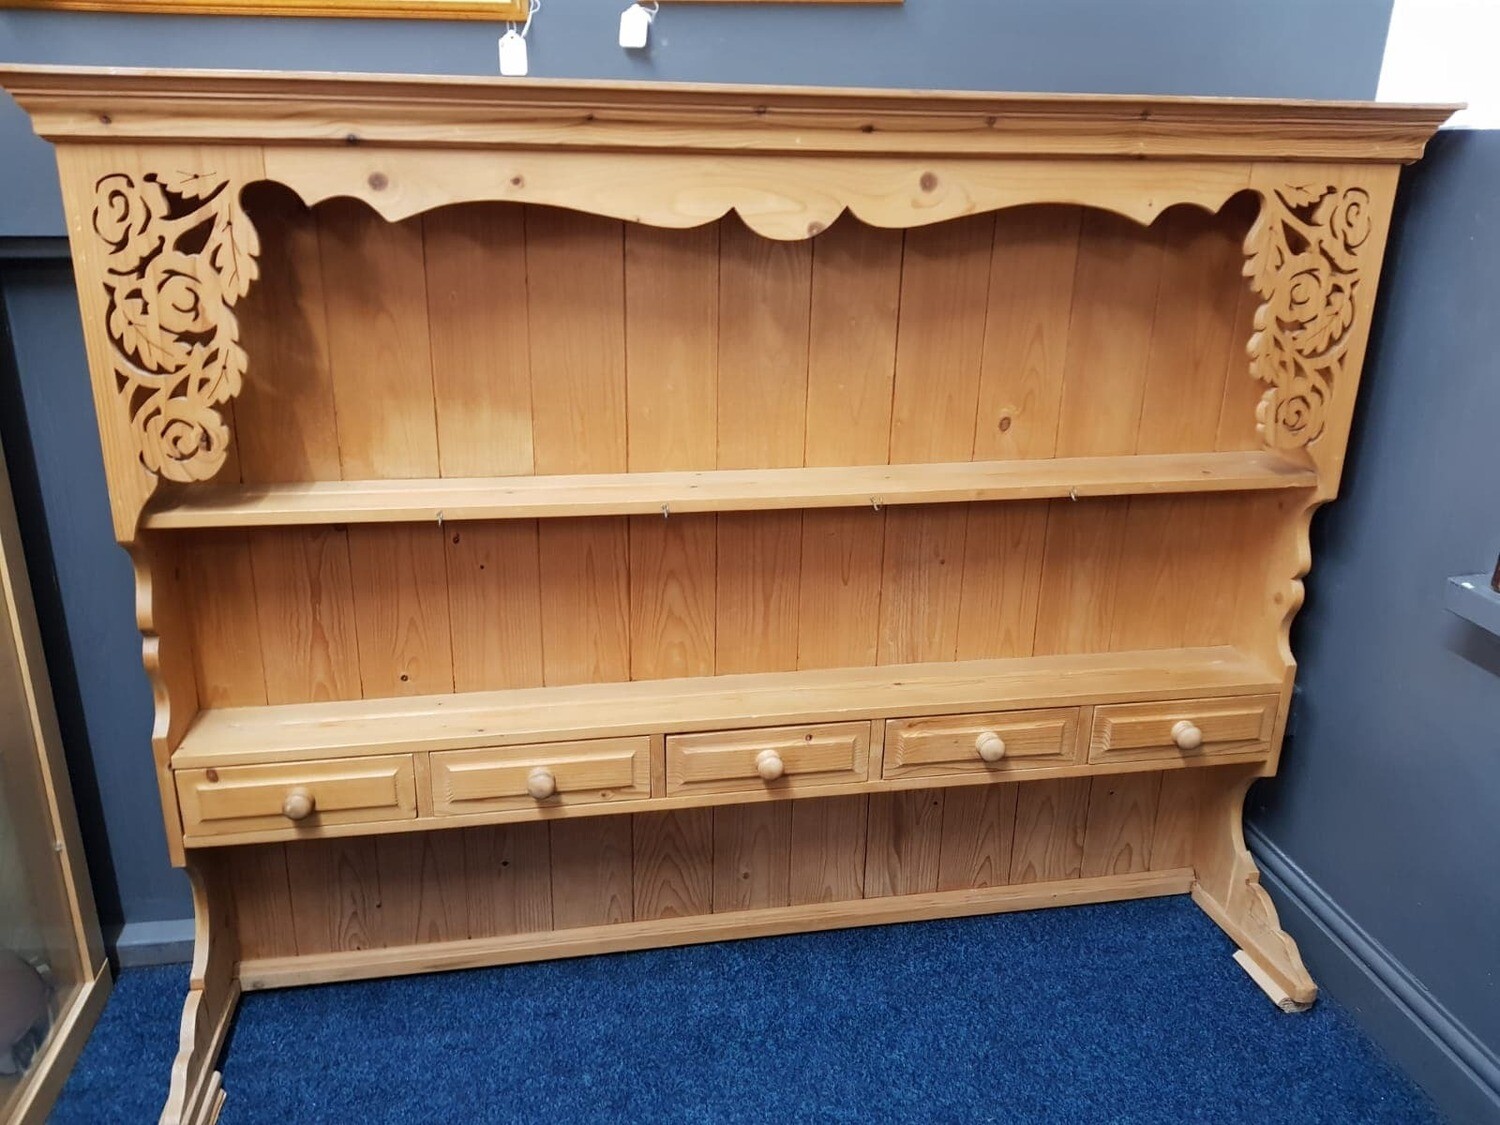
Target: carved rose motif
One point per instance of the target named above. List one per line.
(181, 253)
(1303, 261)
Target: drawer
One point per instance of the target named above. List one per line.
(497, 779)
(995, 743)
(785, 759)
(296, 795)
(1184, 728)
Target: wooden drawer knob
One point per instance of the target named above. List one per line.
(541, 783)
(991, 746)
(1186, 735)
(298, 803)
(769, 765)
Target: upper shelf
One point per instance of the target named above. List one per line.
(216, 106)
(721, 490)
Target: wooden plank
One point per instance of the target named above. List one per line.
(304, 599)
(591, 872)
(375, 294)
(1026, 332)
(978, 826)
(1002, 579)
(262, 901)
(674, 858)
(575, 284)
(508, 873)
(751, 856)
(1178, 809)
(1109, 335)
(1079, 594)
(726, 702)
(285, 427)
(615, 938)
(335, 894)
(944, 292)
(494, 605)
(1242, 391)
(828, 849)
(672, 347)
(585, 600)
(764, 302)
(481, 363)
(1122, 813)
(1192, 332)
(220, 585)
(856, 290)
(903, 842)
(673, 585)
(858, 486)
(759, 571)
(922, 583)
(422, 892)
(401, 610)
(1051, 817)
(838, 616)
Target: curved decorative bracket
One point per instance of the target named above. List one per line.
(180, 252)
(1303, 259)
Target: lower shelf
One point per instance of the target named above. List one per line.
(249, 735)
(277, 972)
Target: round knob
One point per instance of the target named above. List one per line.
(298, 803)
(991, 746)
(1187, 735)
(541, 783)
(769, 765)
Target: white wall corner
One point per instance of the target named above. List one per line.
(1445, 51)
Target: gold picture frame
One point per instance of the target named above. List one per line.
(367, 9)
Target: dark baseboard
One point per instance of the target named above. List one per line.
(1460, 1073)
(136, 944)
(41, 249)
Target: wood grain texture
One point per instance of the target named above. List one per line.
(592, 883)
(475, 260)
(922, 583)
(673, 596)
(828, 849)
(856, 291)
(1026, 332)
(401, 610)
(375, 294)
(304, 597)
(944, 291)
(1004, 547)
(752, 856)
(494, 605)
(585, 599)
(508, 878)
(838, 617)
(904, 842)
(673, 862)
(1051, 819)
(220, 583)
(759, 568)
(672, 347)
(1121, 817)
(764, 310)
(979, 825)
(575, 285)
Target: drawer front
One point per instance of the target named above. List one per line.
(296, 795)
(498, 779)
(1183, 729)
(780, 759)
(997, 743)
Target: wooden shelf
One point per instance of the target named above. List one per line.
(611, 494)
(498, 718)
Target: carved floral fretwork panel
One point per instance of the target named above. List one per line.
(181, 252)
(1304, 262)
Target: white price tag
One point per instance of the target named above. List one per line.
(635, 26)
(513, 55)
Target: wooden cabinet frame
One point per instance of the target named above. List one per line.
(155, 167)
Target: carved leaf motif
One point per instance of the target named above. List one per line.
(177, 353)
(1303, 259)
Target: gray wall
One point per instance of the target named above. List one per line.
(1388, 803)
(1381, 837)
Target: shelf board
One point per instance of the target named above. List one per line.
(293, 732)
(721, 490)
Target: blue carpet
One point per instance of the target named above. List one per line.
(1131, 1012)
